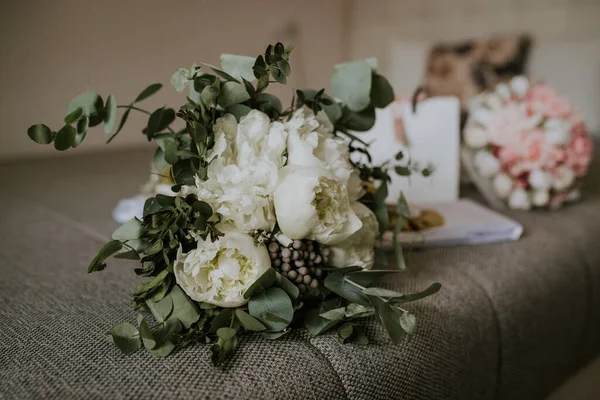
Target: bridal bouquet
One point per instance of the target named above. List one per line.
(269, 217)
(531, 144)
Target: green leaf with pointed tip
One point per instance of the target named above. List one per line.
(74, 116)
(273, 301)
(110, 248)
(126, 337)
(346, 331)
(351, 83)
(226, 333)
(334, 315)
(40, 133)
(121, 125)
(285, 284)
(336, 282)
(130, 230)
(238, 66)
(407, 298)
(232, 93)
(238, 111)
(64, 138)
(160, 119)
(265, 281)
(149, 91)
(390, 319)
(248, 321)
(222, 319)
(110, 114)
(128, 255)
(382, 93)
(146, 333)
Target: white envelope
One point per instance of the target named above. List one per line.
(432, 136)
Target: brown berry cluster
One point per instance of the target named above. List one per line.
(301, 262)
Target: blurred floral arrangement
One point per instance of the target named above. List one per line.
(530, 143)
(268, 217)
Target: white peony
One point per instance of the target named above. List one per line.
(486, 163)
(359, 248)
(220, 272)
(503, 91)
(563, 178)
(540, 180)
(519, 85)
(558, 131)
(540, 198)
(519, 200)
(245, 162)
(311, 143)
(503, 185)
(311, 203)
(475, 137)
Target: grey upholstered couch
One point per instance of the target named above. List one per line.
(511, 322)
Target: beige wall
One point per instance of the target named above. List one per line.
(566, 51)
(52, 50)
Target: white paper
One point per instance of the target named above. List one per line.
(432, 134)
(466, 222)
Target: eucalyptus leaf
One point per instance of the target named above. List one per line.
(272, 301)
(161, 310)
(222, 319)
(248, 321)
(159, 120)
(316, 325)
(374, 291)
(109, 249)
(171, 151)
(407, 298)
(381, 210)
(128, 255)
(40, 133)
(110, 114)
(146, 333)
(408, 322)
(226, 333)
(183, 308)
(126, 337)
(149, 91)
(390, 319)
(238, 111)
(82, 127)
(336, 282)
(346, 330)
(238, 66)
(382, 93)
(64, 138)
(74, 116)
(359, 121)
(335, 314)
(232, 93)
(130, 230)
(90, 102)
(151, 206)
(265, 281)
(285, 284)
(351, 83)
(371, 61)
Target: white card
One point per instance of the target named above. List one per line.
(431, 136)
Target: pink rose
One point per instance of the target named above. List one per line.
(579, 151)
(542, 99)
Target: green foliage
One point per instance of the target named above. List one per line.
(40, 133)
(273, 307)
(126, 337)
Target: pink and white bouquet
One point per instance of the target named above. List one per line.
(529, 143)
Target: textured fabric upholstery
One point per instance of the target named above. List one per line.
(512, 320)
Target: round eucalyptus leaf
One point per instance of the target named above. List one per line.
(359, 121)
(238, 111)
(40, 133)
(232, 93)
(351, 83)
(126, 337)
(65, 138)
(82, 127)
(238, 66)
(382, 93)
(74, 116)
(90, 102)
(110, 114)
(273, 308)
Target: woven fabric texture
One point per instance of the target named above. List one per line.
(512, 321)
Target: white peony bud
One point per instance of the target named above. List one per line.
(540, 180)
(220, 272)
(503, 185)
(519, 200)
(503, 91)
(475, 137)
(486, 163)
(359, 248)
(519, 85)
(493, 101)
(558, 131)
(311, 203)
(540, 198)
(563, 178)
(482, 116)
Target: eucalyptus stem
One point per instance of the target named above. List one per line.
(143, 111)
(379, 297)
